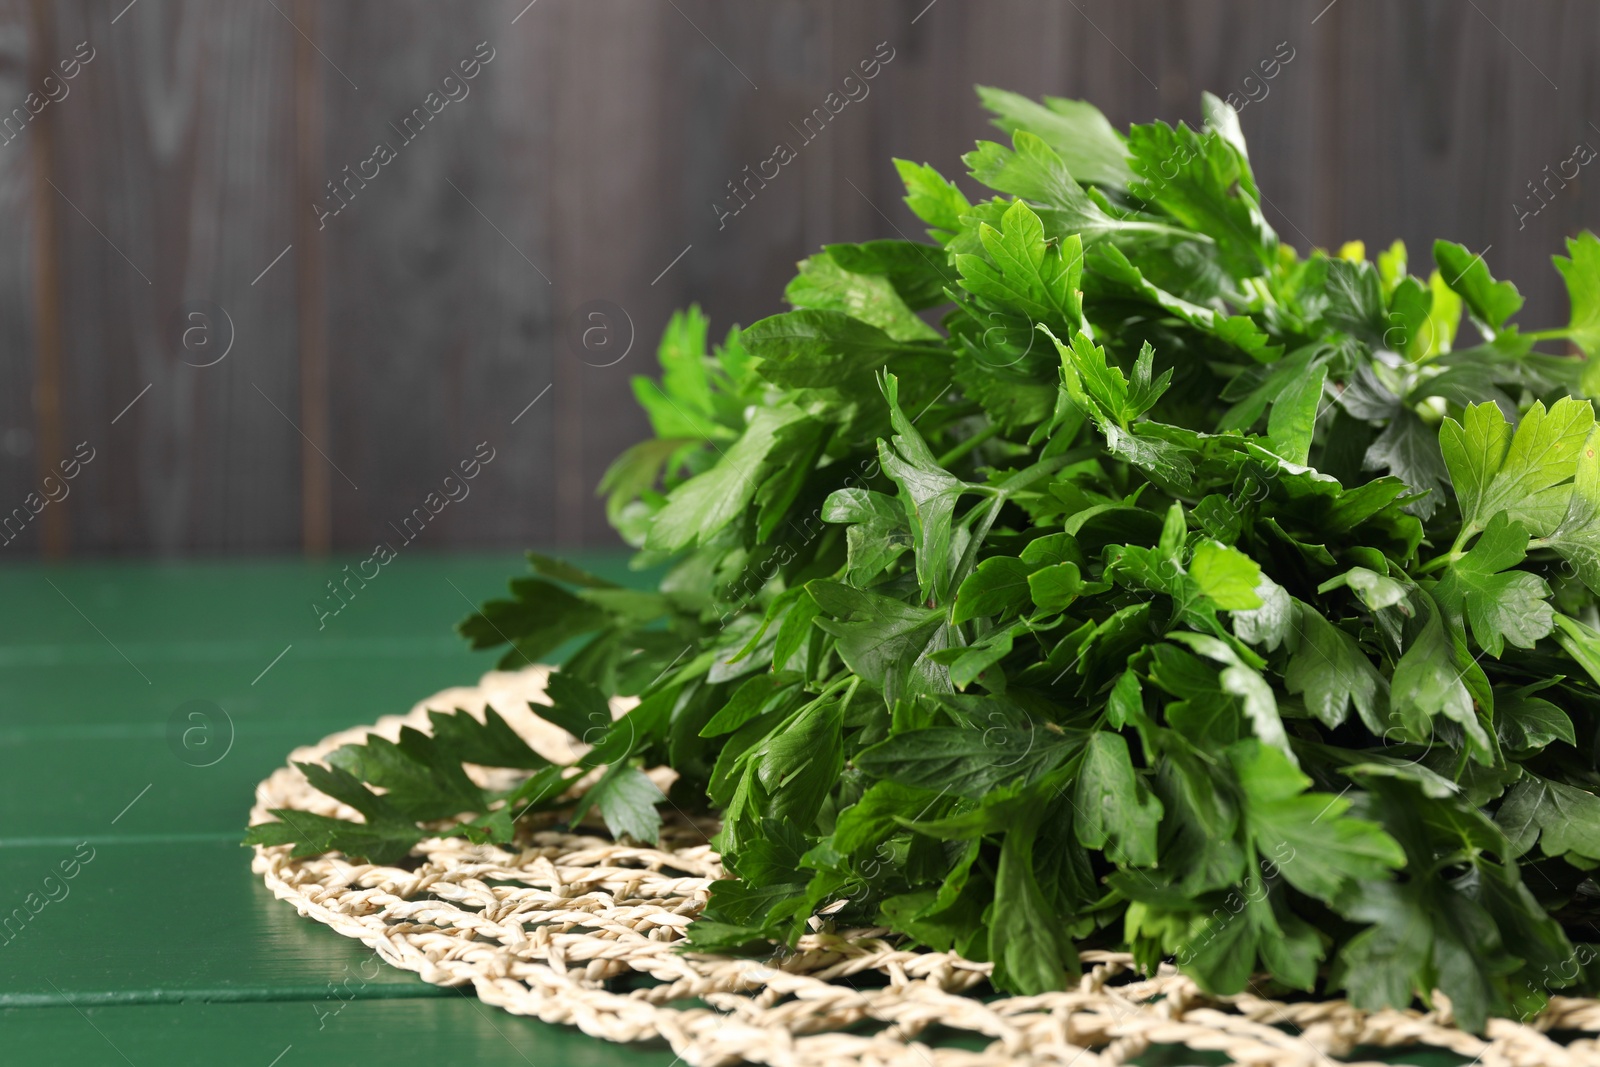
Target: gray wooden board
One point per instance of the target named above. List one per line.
(19, 443)
(583, 167)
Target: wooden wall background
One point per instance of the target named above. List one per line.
(376, 353)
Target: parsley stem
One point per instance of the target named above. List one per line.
(968, 445)
(1457, 550)
(1547, 335)
(839, 683)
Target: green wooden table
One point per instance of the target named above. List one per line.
(139, 706)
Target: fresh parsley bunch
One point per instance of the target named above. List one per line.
(1101, 573)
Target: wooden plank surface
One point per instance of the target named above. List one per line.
(583, 164)
(100, 747)
(447, 1029)
(151, 942)
(149, 921)
(450, 1029)
(171, 162)
(20, 421)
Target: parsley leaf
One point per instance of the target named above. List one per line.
(1113, 805)
(1009, 646)
(1526, 472)
(1075, 129)
(1501, 604)
(1320, 850)
(1578, 536)
(1024, 272)
(1490, 302)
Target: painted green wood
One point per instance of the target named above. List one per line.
(75, 692)
(253, 600)
(453, 1029)
(83, 733)
(73, 788)
(89, 754)
(144, 921)
(162, 938)
(162, 947)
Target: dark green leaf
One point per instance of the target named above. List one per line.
(1113, 805)
(969, 763)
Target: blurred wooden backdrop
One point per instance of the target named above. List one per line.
(166, 179)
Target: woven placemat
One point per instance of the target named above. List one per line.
(575, 929)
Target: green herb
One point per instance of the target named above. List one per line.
(1104, 573)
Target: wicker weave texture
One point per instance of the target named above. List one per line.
(576, 929)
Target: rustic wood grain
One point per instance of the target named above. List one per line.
(612, 229)
(438, 316)
(587, 157)
(52, 521)
(173, 157)
(316, 475)
(20, 450)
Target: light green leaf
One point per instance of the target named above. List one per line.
(1036, 173)
(823, 283)
(919, 274)
(1269, 624)
(1581, 643)
(824, 349)
(1500, 604)
(1053, 588)
(1227, 576)
(1577, 538)
(1489, 301)
(1325, 850)
(1373, 589)
(1099, 387)
(933, 199)
(1202, 181)
(681, 406)
(1524, 473)
(1126, 703)
(706, 503)
(1444, 318)
(1078, 132)
(1292, 419)
(1581, 272)
(1026, 274)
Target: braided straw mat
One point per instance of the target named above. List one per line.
(573, 928)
